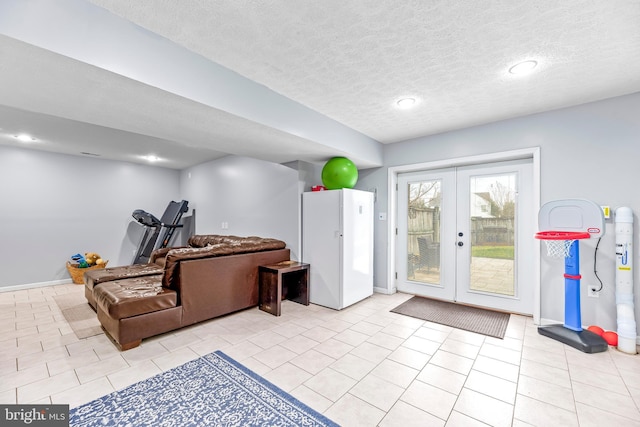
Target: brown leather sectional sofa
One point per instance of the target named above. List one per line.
(213, 276)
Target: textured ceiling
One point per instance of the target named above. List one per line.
(351, 60)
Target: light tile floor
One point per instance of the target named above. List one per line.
(362, 366)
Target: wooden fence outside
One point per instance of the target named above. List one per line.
(425, 222)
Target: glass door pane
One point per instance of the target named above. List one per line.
(426, 250)
(423, 231)
(496, 222)
(492, 233)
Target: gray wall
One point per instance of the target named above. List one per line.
(55, 205)
(255, 198)
(589, 151)
(49, 212)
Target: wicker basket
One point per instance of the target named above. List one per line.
(77, 273)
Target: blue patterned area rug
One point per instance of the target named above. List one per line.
(213, 390)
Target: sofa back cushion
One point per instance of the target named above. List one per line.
(259, 243)
(212, 245)
(202, 240)
(256, 244)
(171, 276)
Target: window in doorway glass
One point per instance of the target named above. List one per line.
(423, 231)
(492, 226)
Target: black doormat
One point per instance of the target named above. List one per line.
(473, 319)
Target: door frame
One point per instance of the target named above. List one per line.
(532, 153)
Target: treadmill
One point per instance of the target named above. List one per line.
(158, 232)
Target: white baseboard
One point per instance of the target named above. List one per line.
(384, 290)
(34, 285)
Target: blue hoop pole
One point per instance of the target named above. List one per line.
(572, 318)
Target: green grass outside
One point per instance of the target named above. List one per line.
(499, 252)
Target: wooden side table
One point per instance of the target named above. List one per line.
(284, 280)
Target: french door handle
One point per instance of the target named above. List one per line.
(460, 244)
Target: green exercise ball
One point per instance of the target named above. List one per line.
(339, 172)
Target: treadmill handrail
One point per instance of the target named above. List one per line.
(158, 232)
(145, 218)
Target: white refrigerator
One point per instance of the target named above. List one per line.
(337, 242)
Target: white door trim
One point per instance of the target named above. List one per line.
(533, 153)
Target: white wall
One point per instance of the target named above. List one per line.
(55, 205)
(255, 198)
(589, 151)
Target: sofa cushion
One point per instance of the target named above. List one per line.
(256, 244)
(134, 296)
(203, 240)
(94, 277)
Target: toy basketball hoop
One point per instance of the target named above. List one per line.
(568, 222)
(559, 242)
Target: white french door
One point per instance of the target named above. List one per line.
(465, 234)
(426, 233)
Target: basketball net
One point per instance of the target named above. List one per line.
(558, 248)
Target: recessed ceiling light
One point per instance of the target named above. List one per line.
(23, 137)
(151, 158)
(405, 103)
(524, 67)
